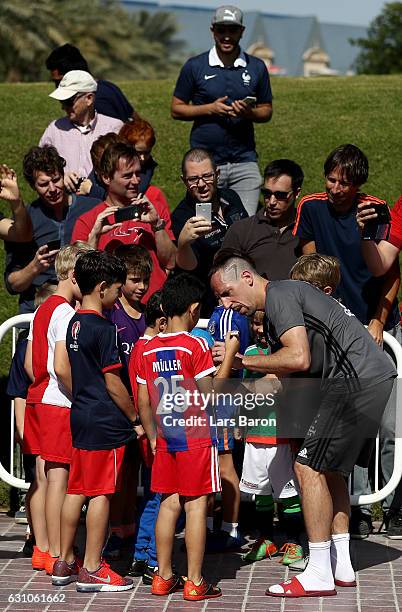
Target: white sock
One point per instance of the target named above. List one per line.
(210, 523)
(340, 558)
(230, 528)
(318, 574)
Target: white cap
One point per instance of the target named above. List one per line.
(73, 82)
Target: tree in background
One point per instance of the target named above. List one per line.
(381, 51)
(28, 30)
(117, 44)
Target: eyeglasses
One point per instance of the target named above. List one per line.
(208, 177)
(278, 195)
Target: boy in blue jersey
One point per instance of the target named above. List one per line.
(102, 416)
(228, 538)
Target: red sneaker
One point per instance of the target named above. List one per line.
(39, 558)
(50, 561)
(193, 592)
(102, 579)
(160, 586)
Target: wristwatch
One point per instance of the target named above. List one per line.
(160, 225)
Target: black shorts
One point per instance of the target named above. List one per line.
(344, 429)
(29, 463)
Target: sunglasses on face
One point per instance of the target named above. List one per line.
(71, 101)
(278, 195)
(226, 29)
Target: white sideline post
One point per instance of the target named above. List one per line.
(361, 500)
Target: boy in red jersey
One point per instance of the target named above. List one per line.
(46, 344)
(102, 416)
(185, 470)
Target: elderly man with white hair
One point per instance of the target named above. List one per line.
(74, 134)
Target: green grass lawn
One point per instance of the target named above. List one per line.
(311, 117)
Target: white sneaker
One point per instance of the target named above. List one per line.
(20, 516)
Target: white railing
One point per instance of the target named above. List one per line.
(9, 477)
(356, 500)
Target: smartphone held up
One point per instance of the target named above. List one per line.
(378, 228)
(204, 209)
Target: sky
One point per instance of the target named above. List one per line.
(356, 12)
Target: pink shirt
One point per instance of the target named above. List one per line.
(75, 145)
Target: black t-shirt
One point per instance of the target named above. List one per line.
(93, 349)
(206, 247)
(340, 346)
(273, 251)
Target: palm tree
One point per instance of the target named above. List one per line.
(27, 31)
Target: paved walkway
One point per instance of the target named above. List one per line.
(378, 561)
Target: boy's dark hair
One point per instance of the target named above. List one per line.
(112, 154)
(66, 58)
(136, 258)
(179, 292)
(351, 162)
(153, 309)
(285, 166)
(95, 267)
(42, 159)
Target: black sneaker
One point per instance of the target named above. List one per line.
(27, 550)
(360, 526)
(137, 568)
(148, 574)
(394, 529)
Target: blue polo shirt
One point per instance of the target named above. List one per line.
(338, 235)
(202, 80)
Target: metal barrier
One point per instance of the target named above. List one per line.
(357, 500)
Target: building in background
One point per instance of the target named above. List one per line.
(291, 46)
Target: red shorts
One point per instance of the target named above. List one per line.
(189, 473)
(55, 433)
(31, 442)
(95, 472)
